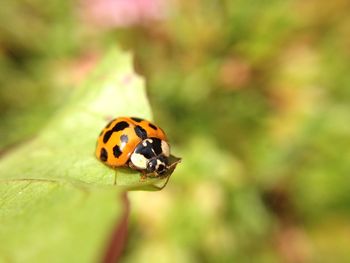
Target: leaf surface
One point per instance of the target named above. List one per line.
(58, 202)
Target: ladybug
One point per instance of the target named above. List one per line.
(135, 143)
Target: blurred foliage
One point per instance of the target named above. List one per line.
(253, 95)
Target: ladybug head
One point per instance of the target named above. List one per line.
(158, 165)
(151, 155)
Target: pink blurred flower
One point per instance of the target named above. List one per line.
(122, 13)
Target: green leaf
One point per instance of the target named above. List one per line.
(65, 148)
(58, 202)
(49, 221)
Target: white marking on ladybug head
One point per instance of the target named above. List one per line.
(159, 162)
(165, 148)
(145, 141)
(160, 167)
(139, 160)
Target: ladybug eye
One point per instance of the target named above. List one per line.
(161, 169)
(161, 166)
(151, 166)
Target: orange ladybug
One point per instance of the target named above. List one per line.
(135, 143)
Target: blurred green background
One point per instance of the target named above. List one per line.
(254, 95)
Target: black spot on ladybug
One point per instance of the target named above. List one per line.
(154, 127)
(116, 151)
(107, 135)
(103, 155)
(136, 119)
(124, 138)
(140, 132)
(118, 127)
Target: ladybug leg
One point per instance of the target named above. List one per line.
(143, 175)
(115, 178)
